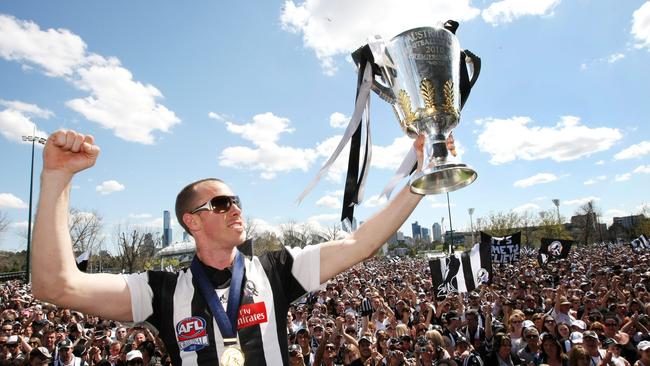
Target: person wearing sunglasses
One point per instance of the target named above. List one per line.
(185, 305)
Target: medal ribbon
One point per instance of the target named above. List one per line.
(226, 320)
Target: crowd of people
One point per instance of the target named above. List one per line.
(590, 309)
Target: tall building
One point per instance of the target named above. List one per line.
(436, 232)
(167, 230)
(425, 235)
(629, 221)
(416, 230)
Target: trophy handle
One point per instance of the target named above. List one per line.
(466, 83)
(476, 66)
(382, 91)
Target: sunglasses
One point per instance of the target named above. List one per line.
(219, 204)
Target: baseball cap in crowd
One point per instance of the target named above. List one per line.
(60, 328)
(406, 337)
(79, 350)
(302, 330)
(66, 343)
(576, 338)
(12, 340)
(610, 341)
(40, 352)
(365, 338)
(528, 324)
(643, 345)
(461, 339)
(134, 354)
(294, 349)
(564, 301)
(590, 334)
(579, 324)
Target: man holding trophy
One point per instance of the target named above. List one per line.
(226, 308)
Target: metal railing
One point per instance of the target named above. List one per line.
(9, 276)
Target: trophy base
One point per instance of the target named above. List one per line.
(442, 179)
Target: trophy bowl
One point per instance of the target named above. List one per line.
(425, 77)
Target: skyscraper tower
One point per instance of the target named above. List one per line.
(167, 230)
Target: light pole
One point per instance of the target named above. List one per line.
(33, 139)
(556, 202)
(471, 223)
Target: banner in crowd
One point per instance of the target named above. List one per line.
(82, 260)
(640, 244)
(504, 249)
(552, 249)
(462, 272)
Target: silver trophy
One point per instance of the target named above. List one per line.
(425, 77)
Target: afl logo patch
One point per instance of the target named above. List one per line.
(191, 334)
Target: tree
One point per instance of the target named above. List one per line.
(587, 222)
(501, 224)
(333, 232)
(4, 222)
(85, 230)
(266, 242)
(135, 245)
(293, 234)
(549, 227)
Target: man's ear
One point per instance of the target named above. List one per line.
(191, 221)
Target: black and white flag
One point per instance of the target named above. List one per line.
(553, 249)
(640, 244)
(82, 260)
(462, 272)
(504, 249)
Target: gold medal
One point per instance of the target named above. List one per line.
(232, 356)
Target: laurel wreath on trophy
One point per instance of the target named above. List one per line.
(428, 94)
(448, 105)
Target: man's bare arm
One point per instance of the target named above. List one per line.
(55, 276)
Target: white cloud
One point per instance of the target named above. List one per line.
(8, 200)
(140, 216)
(527, 207)
(115, 100)
(27, 108)
(506, 11)
(580, 201)
(622, 177)
(614, 58)
(391, 156)
(641, 26)
(217, 116)
(58, 51)
(539, 178)
(537, 199)
(339, 120)
(634, 151)
(15, 121)
(433, 202)
(324, 219)
(336, 27)
(266, 128)
(510, 139)
(595, 180)
(642, 169)
(268, 157)
(329, 201)
(109, 187)
(374, 201)
(600, 162)
(608, 215)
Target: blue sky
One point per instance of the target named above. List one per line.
(257, 93)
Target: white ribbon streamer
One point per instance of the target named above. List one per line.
(353, 124)
(403, 171)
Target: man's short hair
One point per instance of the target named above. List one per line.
(185, 198)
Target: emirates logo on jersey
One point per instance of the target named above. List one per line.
(251, 314)
(191, 334)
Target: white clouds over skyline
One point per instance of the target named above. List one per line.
(527, 207)
(115, 100)
(517, 138)
(109, 186)
(580, 201)
(595, 180)
(539, 178)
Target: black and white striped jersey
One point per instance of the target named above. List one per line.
(172, 303)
